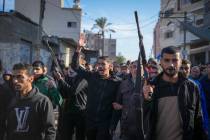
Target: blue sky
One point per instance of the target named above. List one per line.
(121, 14)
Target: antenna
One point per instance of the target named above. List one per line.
(76, 4)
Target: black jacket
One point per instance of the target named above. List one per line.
(189, 107)
(30, 118)
(101, 95)
(127, 97)
(6, 95)
(74, 91)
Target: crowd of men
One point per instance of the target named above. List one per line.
(92, 100)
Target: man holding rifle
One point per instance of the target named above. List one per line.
(102, 89)
(175, 104)
(125, 102)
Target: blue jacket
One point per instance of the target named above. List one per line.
(203, 105)
(205, 82)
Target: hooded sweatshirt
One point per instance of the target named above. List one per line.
(30, 118)
(48, 87)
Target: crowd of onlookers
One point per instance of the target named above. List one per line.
(93, 99)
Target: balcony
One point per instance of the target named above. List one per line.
(192, 5)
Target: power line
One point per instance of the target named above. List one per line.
(130, 23)
(146, 25)
(134, 29)
(152, 17)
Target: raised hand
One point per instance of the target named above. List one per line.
(81, 43)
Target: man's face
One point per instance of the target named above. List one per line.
(124, 69)
(38, 71)
(116, 69)
(21, 80)
(152, 70)
(185, 70)
(111, 67)
(7, 77)
(103, 67)
(195, 72)
(133, 69)
(170, 64)
(65, 71)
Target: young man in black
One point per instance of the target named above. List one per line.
(6, 95)
(102, 89)
(124, 103)
(175, 103)
(30, 114)
(73, 89)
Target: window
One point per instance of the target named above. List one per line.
(169, 34)
(71, 24)
(184, 2)
(169, 12)
(199, 22)
(207, 7)
(178, 5)
(194, 1)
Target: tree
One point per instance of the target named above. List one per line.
(120, 59)
(103, 26)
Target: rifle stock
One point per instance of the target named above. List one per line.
(139, 79)
(57, 67)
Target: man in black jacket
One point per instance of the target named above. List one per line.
(30, 114)
(175, 104)
(129, 129)
(6, 95)
(73, 88)
(102, 90)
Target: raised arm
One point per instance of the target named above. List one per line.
(75, 61)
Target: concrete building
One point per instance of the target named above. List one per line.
(18, 41)
(62, 47)
(173, 33)
(156, 42)
(62, 25)
(105, 47)
(57, 20)
(110, 48)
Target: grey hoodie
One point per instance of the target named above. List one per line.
(31, 118)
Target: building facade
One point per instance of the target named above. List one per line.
(156, 42)
(57, 19)
(173, 15)
(105, 47)
(62, 25)
(18, 41)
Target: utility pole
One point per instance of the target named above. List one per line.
(40, 28)
(103, 45)
(184, 49)
(3, 5)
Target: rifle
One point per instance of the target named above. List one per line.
(57, 67)
(139, 80)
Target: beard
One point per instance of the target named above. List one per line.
(186, 75)
(170, 71)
